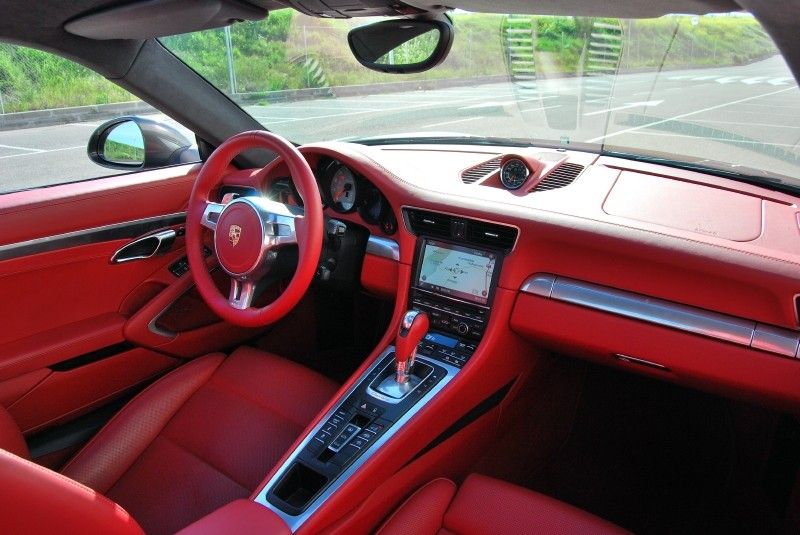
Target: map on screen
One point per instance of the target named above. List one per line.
(457, 271)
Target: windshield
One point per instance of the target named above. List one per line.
(710, 90)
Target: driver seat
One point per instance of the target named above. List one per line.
(202, 436)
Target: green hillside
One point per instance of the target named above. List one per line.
(271, 55)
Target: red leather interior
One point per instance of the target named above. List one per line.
(11, 438)
(38, 500)
(308, 228)
(379, 276)
(486, 505)
(39, 212)
(243, 517)
(63, 394)
(697, 361)
(200, 437)
(69, 302)
(214, 336)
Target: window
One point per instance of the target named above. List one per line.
(49, 107)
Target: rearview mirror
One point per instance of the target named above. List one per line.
(136, 143)
(402, 46)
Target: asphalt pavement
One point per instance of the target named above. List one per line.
(746, 115)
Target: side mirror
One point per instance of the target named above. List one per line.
(136, 143)
(402, 46)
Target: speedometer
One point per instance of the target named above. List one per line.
(514, 173)
(343, 190)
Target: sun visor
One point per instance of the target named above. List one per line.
(157, 18)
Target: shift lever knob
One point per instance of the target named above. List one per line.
(412, 330)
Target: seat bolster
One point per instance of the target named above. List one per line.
(11, 438)
(102, 462)
(38, 500)
(423, 512)
(486, 505)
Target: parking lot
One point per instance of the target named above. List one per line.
(748, 115)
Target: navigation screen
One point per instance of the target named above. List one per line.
(457, 271)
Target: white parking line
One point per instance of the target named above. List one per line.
(721, 139)
(739, 123)
(688, 114)
(540, 109)
(39, 151)
(14, 147)
(361, 112)
(451, 122)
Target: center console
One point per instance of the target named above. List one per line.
(450, 297)
(454, 284)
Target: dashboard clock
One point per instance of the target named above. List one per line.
(514, 173)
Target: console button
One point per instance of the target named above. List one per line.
(347, 433)
(375, 427)
(359, 442)
(369, 408)
(322, 437)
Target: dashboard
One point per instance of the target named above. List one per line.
(718, 252)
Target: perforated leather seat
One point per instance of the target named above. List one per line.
(202, 436)
(483, 505)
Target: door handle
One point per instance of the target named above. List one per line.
(145, 247)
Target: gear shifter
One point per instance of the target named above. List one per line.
(400, 381)
(412, 330)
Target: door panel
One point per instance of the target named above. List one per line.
(63, 348)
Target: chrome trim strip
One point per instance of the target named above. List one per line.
(641, 362)
(117, 231)
(294, 522)
(541, 285)
(664, 313)
(685, 318)
(383, 247)
(775, 340)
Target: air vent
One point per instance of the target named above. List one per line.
(429, 223)
(561, 176)
(473, 174)
(470, 231)
(491, 235)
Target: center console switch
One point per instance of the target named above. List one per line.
(357, 423)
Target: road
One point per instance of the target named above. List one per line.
(746, 115)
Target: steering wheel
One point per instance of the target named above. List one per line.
(248, 232)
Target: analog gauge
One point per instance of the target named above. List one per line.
(371, 206)
(514, 173)
(343, 190)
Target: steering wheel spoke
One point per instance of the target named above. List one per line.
(211, 215)
(242, 293)
(280, 222)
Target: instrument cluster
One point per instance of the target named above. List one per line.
(345, 192)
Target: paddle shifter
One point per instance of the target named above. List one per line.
(412, 330)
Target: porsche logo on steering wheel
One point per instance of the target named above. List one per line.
(234, 233)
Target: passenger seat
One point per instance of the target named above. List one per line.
(483, 505)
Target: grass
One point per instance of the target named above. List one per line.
(269, 55)
(114, 151)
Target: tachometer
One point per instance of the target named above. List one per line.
(344, 190)
(514, 173)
